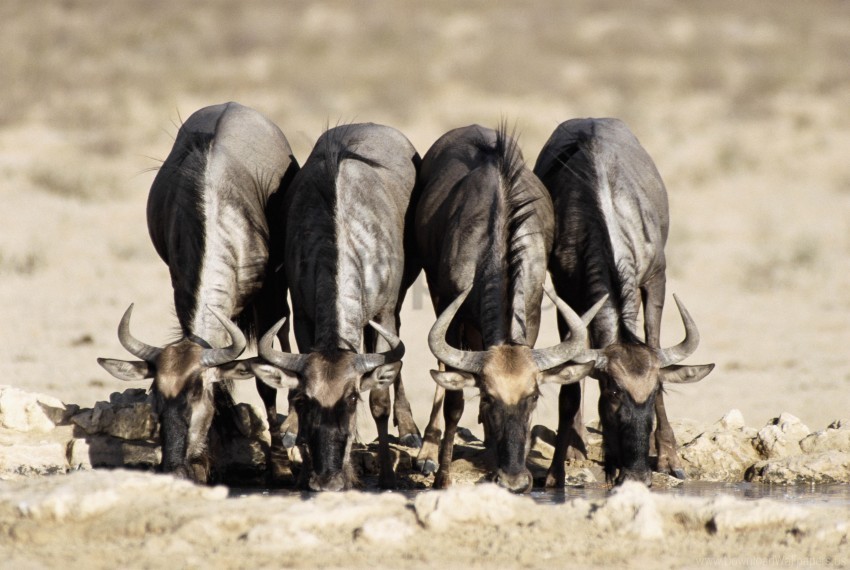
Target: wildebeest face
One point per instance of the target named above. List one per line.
(509, 384)
(628, 384)
(183, 376)
(630, 377)
(328, 388)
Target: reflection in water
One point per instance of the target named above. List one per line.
(833, 494)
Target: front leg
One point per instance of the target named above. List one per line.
(452, 411)
(653, 293)
(665, 442)
(569, 443)
(379, 405)
(428, 459)
(408, 433)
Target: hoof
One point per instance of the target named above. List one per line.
(427, 467)
(289, 440)
(442, 481)
(679, 474)
(411, 440)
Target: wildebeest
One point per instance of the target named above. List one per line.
(484, 229)
(612, 222)
(207, 217)
(348, 267)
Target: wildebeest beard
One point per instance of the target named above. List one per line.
(325, 436)
(626, 434)
(507, 434)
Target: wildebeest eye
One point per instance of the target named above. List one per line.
(352, 399)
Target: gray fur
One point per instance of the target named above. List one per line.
(347, 262)
(612, 225)
(207, 218)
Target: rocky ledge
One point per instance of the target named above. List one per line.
(41, 435)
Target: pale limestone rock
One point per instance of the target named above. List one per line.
(33, 458)
(26, 411)
(781, 437)
(837, 439)
(722, 452)
(84, 494)
(485, 504)
(824, 467)
(385, 530)
(737, 516)
(631, 510)
(733, 419)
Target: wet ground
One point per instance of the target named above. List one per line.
(832, 494)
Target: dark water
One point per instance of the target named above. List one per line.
(831, 494)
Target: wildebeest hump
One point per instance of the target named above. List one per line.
(345, 253)
(207, 211)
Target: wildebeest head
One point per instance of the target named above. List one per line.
(183, 375)
(509, 377)
(328, 384)
(630, 376)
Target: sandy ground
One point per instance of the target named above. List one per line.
(744, 109)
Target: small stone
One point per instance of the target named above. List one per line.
(579, 476)
(543, 441)
(733, 419)
(134, 421)
(130, 396)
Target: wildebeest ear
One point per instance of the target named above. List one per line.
(568, 373)
(274, 376)
(380, 377)
(127, 369)
(453, 379)
(237, 370)
(685, 374)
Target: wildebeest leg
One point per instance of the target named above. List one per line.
(452, 411)
(568, 438)
(304, 339)
(572, 433)
(408, 433)
(379, 405)
(653, 293)
(427, 459)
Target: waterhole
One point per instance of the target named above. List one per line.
(832, 494)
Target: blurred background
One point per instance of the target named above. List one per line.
(742, 105)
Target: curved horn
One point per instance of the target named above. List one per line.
(211, 357)
(283, 360)
(367, 362)
(137, 348)
(684, 349)
(547, 358)
(466, 360)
